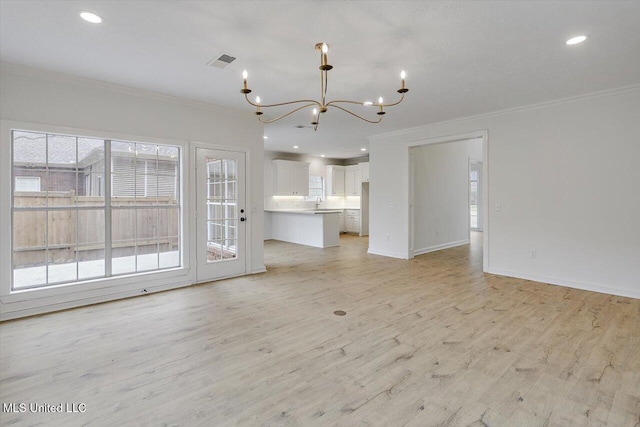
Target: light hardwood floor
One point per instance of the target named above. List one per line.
(427, 342)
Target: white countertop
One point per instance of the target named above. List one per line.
(305, 211)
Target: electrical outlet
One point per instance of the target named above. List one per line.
(388, 237)
(499, 207)
(534, 254)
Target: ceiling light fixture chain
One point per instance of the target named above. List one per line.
(321, 107)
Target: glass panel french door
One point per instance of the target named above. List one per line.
(220, 189)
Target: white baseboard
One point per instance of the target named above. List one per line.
(390, 254)
(568, 283)
(258, 270)
(440, 247)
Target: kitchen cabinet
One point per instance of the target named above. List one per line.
(352, 221)
(290, 178)
(353, 180)
(341, 221)
(364, 169)
(335, 180)
(301, 179)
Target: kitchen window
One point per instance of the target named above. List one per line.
(316, 188)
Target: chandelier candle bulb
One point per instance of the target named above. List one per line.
(244, 89)
(403, 89)
(324, 66)
(380, 102)
(258, 112)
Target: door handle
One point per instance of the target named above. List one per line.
(243, 219)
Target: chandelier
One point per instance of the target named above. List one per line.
(320, 107)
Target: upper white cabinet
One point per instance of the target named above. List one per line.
(353, 180)
(335, 181)
(301, 179)
(364, 168)
(290, 178)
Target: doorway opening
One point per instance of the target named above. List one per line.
(446, 201)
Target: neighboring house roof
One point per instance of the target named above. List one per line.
(31, 148)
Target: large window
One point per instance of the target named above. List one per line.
(74, 218)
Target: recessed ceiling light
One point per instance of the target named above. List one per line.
(576, 40)
(90, 17)
(265, 137)
(321, 155)
(296, 147)
(363, 149)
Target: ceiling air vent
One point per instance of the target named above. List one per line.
(221, 61)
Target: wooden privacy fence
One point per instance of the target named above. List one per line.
(136, 228)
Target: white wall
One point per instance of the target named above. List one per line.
(47, 98)
(440, 174)
(566, 177)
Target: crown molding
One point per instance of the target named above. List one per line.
(498, 113)
(55, 76)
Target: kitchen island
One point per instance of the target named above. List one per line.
(319, 228)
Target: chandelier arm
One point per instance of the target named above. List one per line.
(355, 115)
(283, 103)
(287, 114)
(323, 91)
(395, 103)
(344, 101)
(326, 85)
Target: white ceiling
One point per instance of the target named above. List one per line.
(462, 58)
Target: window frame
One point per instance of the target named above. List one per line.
(65, 293)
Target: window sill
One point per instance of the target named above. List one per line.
(95, 287)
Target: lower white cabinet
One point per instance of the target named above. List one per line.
(341, 221)
(352, 221)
